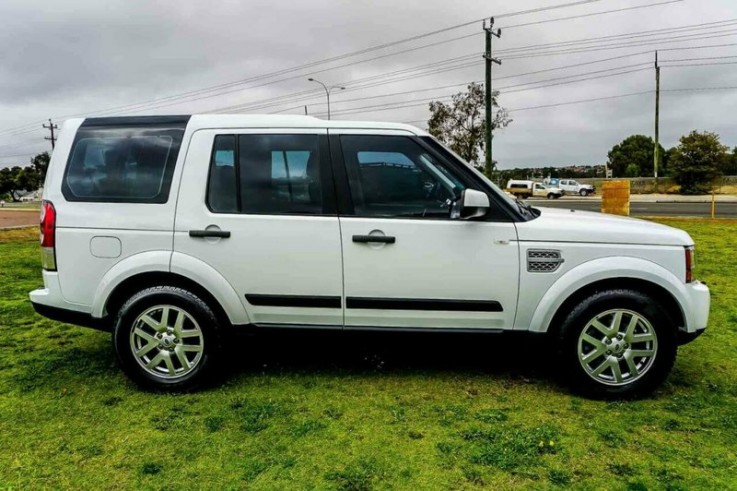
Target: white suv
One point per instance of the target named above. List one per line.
(173, 232)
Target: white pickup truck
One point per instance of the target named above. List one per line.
(174, 232)
(569, 186)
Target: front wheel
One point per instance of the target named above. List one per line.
(166, 338)
(583, 193)
(618, 344)
(551, 196)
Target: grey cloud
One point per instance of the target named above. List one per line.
(79, 56)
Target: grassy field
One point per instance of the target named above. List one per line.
(360, 413)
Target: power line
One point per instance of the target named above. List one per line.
(504, 88)
(338, 57)
(700, 64)
(639, 34)
(385, 45)
(400, 105)
(515, 56)
(280, 100)
(581, 16)
(590, 49)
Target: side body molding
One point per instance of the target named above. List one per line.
(604, 269)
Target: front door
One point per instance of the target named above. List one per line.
(258, 207)
(407, 264)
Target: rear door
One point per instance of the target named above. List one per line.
(269, 195)
(407, 264)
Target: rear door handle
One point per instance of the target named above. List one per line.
(222, 234)
(384, 239)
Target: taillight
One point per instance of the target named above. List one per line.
(48, 236)
(689, 264)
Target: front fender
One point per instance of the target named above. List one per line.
(604, 269)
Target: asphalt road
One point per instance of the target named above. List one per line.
(723, 210)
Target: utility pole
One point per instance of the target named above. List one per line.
(51, 126)
(490, 60)
(656, 154)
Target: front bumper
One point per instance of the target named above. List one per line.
(697, 312)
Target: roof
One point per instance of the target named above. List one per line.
(226, 121)
(291, 121)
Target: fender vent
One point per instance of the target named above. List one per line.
(543, 260)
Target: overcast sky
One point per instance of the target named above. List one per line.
(89, 57)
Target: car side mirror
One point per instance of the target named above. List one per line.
(472, 204)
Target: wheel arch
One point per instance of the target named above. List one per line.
(658, 292)
(138, 282)
(166, 268)
(610, 273)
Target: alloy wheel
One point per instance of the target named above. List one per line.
(167, 341)
(617, 347)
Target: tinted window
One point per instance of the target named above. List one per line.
(393, 176)
(222, 185)
(123, 164)
(275, 174)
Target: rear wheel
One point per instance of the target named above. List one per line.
(618, 344)
(166, 338)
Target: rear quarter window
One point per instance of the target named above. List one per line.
(124, 163)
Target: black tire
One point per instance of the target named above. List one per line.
(205, 368)
(551, 196)
(600, 302)
(583, 193)
(557, 196)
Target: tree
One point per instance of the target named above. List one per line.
(40, 164)
(730, 166)
(13, 180)
(636, 149)
(697, 161)
(632, 170)
(461, 124)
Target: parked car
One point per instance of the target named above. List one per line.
(174, 233)
(527, 189)
(569, 186)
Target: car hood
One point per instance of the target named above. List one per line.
(556, 224)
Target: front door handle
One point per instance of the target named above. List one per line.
(383, 239)
(222, 234)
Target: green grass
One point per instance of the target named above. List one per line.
(356, 418)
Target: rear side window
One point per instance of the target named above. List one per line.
(265, 174)
(122, 164)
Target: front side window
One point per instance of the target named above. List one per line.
(265, 174)
(125, 164)
(393, 176)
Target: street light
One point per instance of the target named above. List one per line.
(327, 90)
